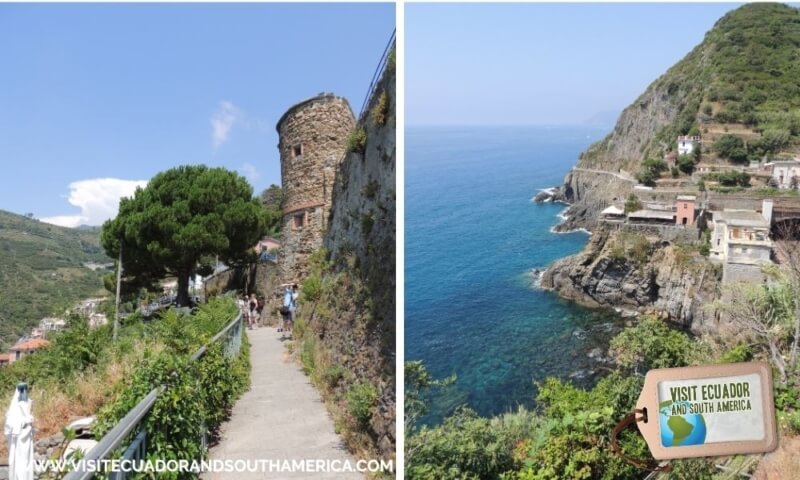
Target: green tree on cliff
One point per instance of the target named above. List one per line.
(272, 199)
(181, 220)
(632, 204)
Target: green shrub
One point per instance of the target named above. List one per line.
(312, 288)
(381, 109)
(731, 147)
(308, 354)
(196, 395)
(686, 164)
(732, 178)
(653, 344)
(357, 141)
(739, 353)
(390, 61)
(632, 204)
(705, 244)
(334, 374)
(361, 398)
(465, 446)
(370, 189)
(639, 249)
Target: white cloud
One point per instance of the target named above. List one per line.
(98, 200)
(250, 172)
(70, 221)
(222, 122)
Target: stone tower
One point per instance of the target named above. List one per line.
(312, 141)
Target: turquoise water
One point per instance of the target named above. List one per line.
(472, 236)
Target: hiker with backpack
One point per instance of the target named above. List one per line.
(288, 308)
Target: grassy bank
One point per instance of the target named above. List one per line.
(84, 373)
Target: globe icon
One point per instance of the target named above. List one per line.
(680, 430)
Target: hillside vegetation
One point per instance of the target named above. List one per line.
(741, 78)
(42, 272)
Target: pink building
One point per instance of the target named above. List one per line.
(267, 244)
(684, 210)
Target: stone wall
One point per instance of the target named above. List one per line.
(350, 322)
(669, 233)
(362, 228)
(313, 135)
(741, 272)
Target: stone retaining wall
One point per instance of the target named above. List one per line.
(669, 233)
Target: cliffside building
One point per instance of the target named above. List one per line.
(741, 237)
(687, 144)
(652, 217)
(786, 173)
(313, 137)
(684, 209)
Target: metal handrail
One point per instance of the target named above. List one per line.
(202, 350)
(112, 440)
(377, 75)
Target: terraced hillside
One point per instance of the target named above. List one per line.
(42, 271)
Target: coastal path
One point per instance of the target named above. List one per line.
(281, 418)
(620, 176)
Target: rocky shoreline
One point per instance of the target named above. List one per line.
(658, 279)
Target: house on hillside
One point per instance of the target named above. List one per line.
(685, 210)
(741, 237)
(50, 324)
(267, 249)
(687, 144)
(5, 359)
(88, 306)
(786, 173)
(26, 347)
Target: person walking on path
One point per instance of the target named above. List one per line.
(288, 309)
(260, 312)
(251, 311)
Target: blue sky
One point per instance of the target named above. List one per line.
(541, 64)
(97, 97)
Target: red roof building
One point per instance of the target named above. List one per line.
(25, 348)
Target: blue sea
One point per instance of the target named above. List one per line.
(472, 237)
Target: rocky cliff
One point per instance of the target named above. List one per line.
(634, 272)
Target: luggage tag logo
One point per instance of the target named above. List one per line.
(705, 411)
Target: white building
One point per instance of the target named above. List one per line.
(687, 144)
(51, 325)
(786, 173)
(741, 237)
(97, 319)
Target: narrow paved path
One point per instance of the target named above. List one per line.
(606, 172)
(280, 418)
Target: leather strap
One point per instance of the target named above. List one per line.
(643, 464)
